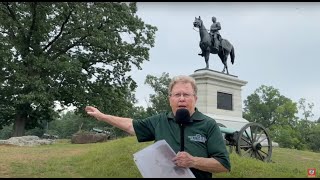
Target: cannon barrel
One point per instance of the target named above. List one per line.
(232, 131)
(227, 130)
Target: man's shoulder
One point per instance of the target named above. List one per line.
(162, 115)
(155, 116)
(208, 118)
(205, 117)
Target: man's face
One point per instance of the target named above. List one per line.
(182, 96)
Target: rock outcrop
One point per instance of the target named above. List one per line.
(26, 141)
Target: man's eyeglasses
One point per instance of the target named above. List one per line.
(178, 95)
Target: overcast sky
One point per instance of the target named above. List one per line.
(276, 44)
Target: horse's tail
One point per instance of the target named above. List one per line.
(232, 55)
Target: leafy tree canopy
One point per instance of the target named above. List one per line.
(159, 101)
(268, 107)
(69, 52)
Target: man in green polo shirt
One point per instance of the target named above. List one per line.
(204, 151)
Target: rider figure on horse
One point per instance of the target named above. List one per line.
(214, 32)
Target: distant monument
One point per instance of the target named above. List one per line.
(213, 43)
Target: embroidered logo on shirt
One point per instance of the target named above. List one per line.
(198, 138)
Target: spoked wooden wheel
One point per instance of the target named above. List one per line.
(254, 141)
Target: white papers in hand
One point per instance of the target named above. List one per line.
(155, 161)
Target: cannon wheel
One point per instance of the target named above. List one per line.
(251, 142)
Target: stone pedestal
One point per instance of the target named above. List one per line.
(219, 96)
(215, 89)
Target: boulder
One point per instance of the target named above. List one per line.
(88, 137)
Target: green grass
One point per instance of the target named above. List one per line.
(115, 159)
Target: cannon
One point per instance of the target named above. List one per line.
(49, 136)
(110, 132)
(252, 140)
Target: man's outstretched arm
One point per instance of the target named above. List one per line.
(122, 123)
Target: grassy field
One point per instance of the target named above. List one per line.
(115, 159)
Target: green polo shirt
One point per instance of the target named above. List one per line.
(202, 137)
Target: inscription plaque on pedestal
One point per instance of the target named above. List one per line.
(224, 101)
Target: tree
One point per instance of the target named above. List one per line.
(306, 109)
(74, 53)
(313, 136)
(71, 123)
(287, 137)
(159, 100)
(268, 107)
(308, 129)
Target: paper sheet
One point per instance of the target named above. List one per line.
(155, 161)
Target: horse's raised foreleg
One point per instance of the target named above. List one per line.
(201, 53)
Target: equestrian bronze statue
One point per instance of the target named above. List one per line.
(223, 49)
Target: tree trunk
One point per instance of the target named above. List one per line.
(19, 126)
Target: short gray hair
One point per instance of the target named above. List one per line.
(183, 79)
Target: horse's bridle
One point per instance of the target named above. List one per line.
(199, 25)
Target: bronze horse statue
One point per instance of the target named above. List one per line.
(225, 47)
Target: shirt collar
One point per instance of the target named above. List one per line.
(196, 116)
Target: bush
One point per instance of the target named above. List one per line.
(35, 132)
(6, 132)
